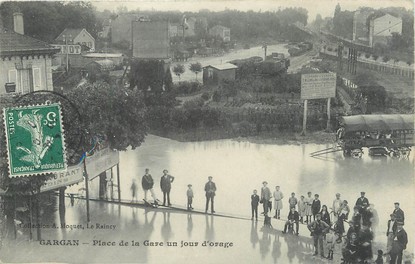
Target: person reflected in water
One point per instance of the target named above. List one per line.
(166, 232)
(210, 228)
(276, 248)
(189, 225)
(254, 233)
(264, 242)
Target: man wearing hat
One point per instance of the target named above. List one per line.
(400, 215)
(391, 231)
(265, 196)
(210, 189)
(318, 229)
(165, 186)
(362, 202)
(399, 244)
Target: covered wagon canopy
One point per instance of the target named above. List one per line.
(377, 122)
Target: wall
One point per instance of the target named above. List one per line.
(85, 39)
(38, 77)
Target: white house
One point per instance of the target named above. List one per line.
(76, 36)
(25, 62)
(381, 28)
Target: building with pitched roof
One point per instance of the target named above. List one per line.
(381, 27)
(25, 63)
(76, 36)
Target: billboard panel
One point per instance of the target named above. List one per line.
(150, 39)
(318, 85)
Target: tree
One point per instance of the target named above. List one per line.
(195, 68)
(178, 70)
(116, 113)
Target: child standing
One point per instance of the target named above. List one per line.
(189, 197)
(292, 201)
(254, 205)
(301, 208)
(330, 239)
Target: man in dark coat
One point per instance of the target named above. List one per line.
(362, 202)
(293, 218)
(165, 185)
(318, 229)
(147, 183)
(254, 204)
(210, 189)
(399, 214)
(265, 196)
(399, 244)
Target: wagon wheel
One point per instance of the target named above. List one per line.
(357, 153)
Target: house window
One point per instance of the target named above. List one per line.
(13, 77)
(36, 79)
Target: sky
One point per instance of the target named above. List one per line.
(314, 7)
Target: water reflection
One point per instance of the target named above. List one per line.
(166, 232)
(189, 225)
(210, 228)
(254, 233)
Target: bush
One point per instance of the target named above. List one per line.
(385, 59)
(367, 55)
(205, 96)
(195, 103)
(375, 56)
(330, 49)
(216, 97)
(187, 87)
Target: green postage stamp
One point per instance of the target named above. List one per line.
(35, 140)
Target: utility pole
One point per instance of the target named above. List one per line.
(65, 38)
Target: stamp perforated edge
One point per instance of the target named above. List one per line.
(65, 162)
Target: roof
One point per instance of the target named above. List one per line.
(73, 32)
(102, 55)
(224, 66)
(12, 43)
(377, 122)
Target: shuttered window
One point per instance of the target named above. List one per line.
(36, 79)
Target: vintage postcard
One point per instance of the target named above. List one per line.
(240, 131)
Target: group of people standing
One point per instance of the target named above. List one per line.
(327, 228)
(166, 180)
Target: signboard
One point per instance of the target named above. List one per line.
(68, 49)
(150, 39)
(35, 140)
(73, 175)
(101, 161)
(318, 85)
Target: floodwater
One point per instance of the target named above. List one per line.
(237, 168)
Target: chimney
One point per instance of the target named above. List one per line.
(18, 23)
